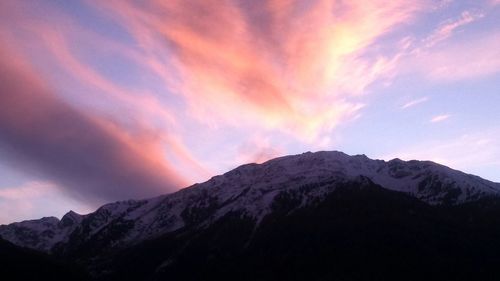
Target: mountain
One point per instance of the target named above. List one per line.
(310, 211)
(359, 231)
(43, 233)
(250, 188)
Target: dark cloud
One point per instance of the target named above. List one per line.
(88, 157)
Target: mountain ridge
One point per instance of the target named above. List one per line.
(250, 189)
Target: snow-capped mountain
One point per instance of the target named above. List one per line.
(250, 190)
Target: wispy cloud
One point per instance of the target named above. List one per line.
(440, 118)
(446, 29)
(442, 57)
(462, 60)
(414, 102)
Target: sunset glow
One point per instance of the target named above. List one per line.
(113, 100)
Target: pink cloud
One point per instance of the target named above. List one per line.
(57, 46)
(292, 66)
(137, 107)
(251, 67)
(91, 158)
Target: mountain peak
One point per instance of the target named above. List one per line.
(70, 218)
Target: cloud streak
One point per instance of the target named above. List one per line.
(414, 102)
(440, 118)
(446, 29)
(92, 159)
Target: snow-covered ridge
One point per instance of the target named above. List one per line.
(39, 234)
(250, 189)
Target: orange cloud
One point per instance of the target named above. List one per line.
(296, 66)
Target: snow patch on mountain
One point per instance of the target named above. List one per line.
(40, 234)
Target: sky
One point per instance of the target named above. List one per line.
(112, 100)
